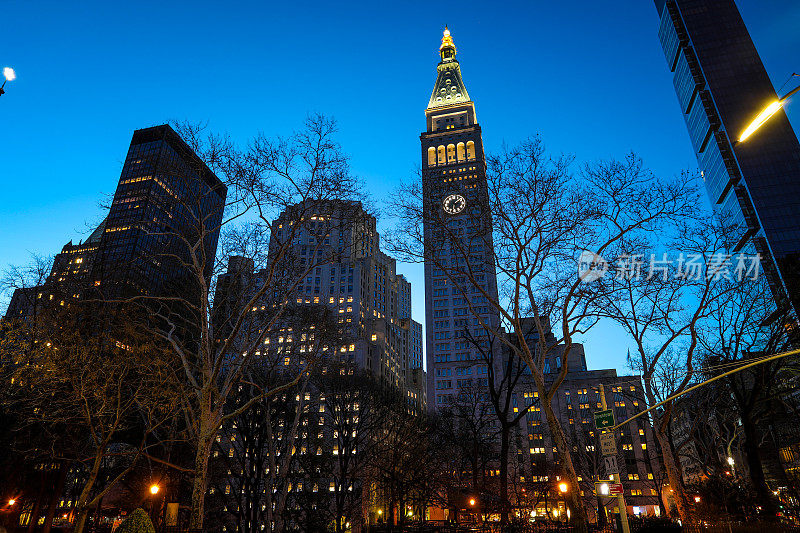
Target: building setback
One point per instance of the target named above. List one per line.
(721, 86)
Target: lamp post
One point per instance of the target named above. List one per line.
(154, 488)
(8, 74)
(766, 113)
(563, 487)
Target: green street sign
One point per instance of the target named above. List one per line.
(603, 419)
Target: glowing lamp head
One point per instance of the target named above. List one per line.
(472, 501)
(380, 512)
(154, 489)
(563, 487)
(730, 460)
(603, 489)
(762, 117)
(697, 499)
(9, 73)
(12, 501)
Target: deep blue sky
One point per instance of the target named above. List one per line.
(590, 77)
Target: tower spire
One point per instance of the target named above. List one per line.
(449, 88)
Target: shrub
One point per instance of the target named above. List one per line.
(137, 522)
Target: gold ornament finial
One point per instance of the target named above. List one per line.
(447, 43)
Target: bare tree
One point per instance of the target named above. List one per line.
(543, 218)
(89, 380)
(214, 345)
(746, 326)
(662, 306)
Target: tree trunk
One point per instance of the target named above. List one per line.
(673, 473)
(81, 510)
(576, 503)
(753, 457)
(59, 487)
(81, 518)
(200, 482)
(34, 519)
(504, 504)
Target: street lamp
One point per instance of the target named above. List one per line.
(154, 489)
(563, 487)
(766, 113)
(697, 499)
(8, 74)
(12, 501)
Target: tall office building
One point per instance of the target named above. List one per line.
(163, 193)
(344, 306)
(457, 232)
(721, 86)
(338, 243)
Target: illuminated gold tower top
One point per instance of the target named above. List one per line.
(449, 88)
(447, 46)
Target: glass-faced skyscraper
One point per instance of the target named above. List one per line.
(721, 85)
(459, 264)
(164, 195)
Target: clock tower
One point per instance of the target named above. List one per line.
(460, 276)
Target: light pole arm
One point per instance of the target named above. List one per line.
(790, 93)
(715, 378)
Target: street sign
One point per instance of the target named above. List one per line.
(607, 488)
(610, 462)
(608, 446)
(603, 419)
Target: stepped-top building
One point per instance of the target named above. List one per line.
(337, 247)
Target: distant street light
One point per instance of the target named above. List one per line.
(563, 487)
(154, 489)
(8, 74)
(697, 499)
(472, 502)
(767, 112)
(12, 501)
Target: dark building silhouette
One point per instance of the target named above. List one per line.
(721, 86)
(165, 194)
(456, 196)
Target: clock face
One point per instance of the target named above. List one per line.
(454, 204)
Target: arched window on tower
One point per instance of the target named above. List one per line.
(442, 157)
(470, 150)
(460, 151)
(451, 153)
(431, 156)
